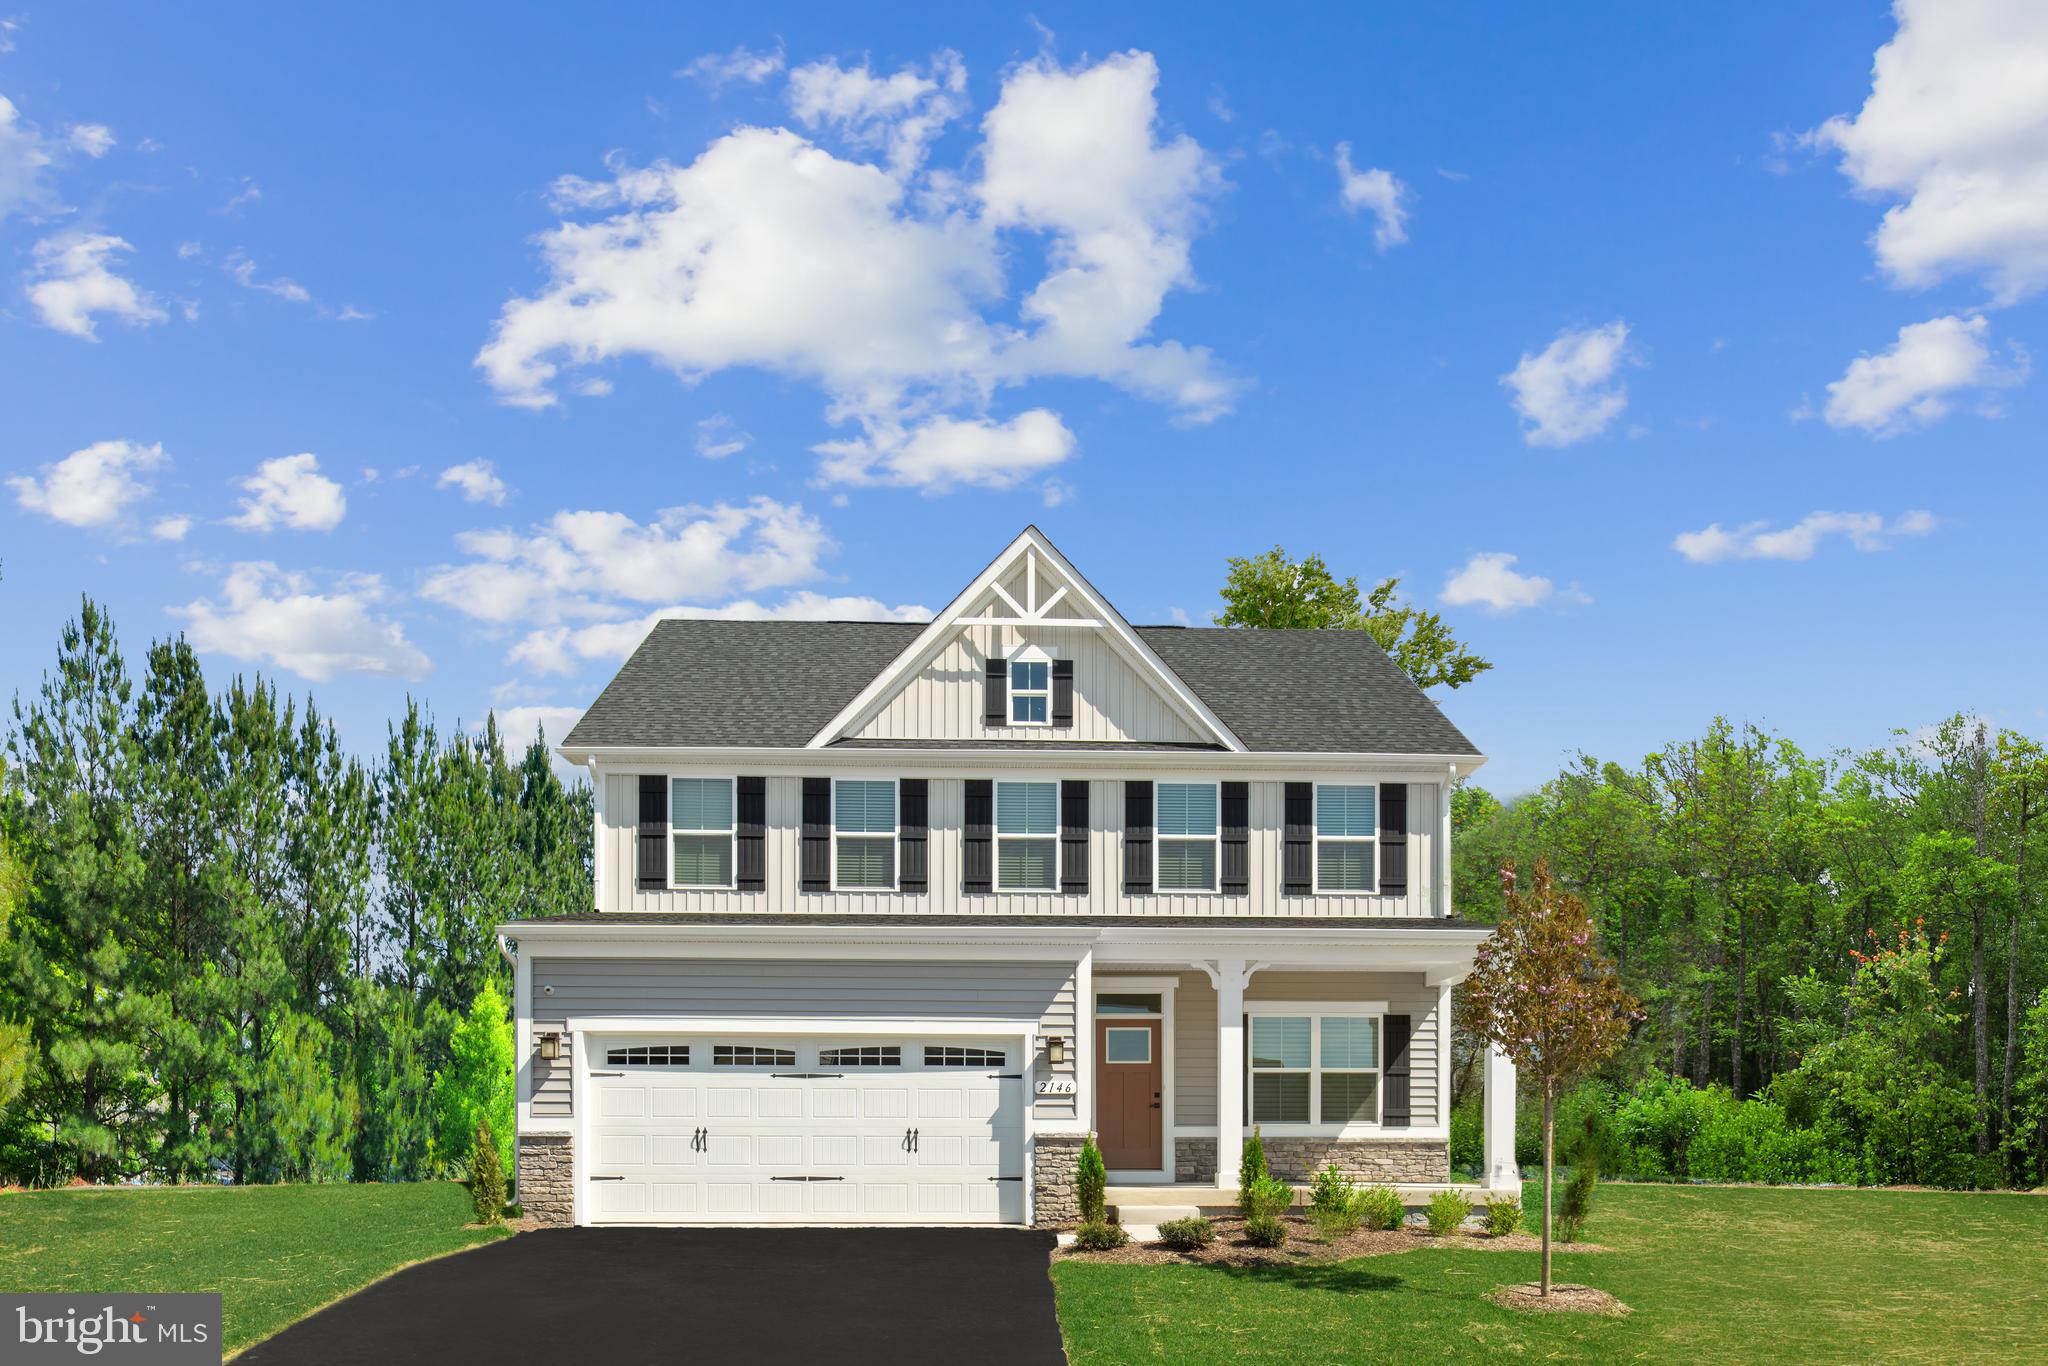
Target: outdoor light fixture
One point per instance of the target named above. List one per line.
(550, 1047)
(1055, 1049)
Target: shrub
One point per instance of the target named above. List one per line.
(1251, 1167)
(1380, 1207)
(1265, 1198)
(1447, 1212)
(486, 1177)
(1577, 1202)
(1468, 1136)
(1503, 1215)
(477, 1083)
(1187, 1235)
(1264, 1231)
(1099, 1235)
(1091, 1180)
(1333, 1203)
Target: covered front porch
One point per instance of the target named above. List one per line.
(1335, 1043)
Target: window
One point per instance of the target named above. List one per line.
(946, 1055)
(1127, 1003)
(1027, 836)
(1315, 1069)
(1030, 692)
(1127, 1045)
(864, 832)
(867, 1055)
(1185, 835)
(749, 1055)
(700, 829)
(657, 1055)
(1347, 819)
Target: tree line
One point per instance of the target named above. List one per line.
(231, 950)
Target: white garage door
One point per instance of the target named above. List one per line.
(780, 1129)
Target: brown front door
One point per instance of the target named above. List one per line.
(1128, 1070)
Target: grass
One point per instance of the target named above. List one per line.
(275, 1253)
(1712, 1273)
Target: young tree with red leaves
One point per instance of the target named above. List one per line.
(1543, 993)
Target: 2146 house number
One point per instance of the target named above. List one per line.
(1056, 1086)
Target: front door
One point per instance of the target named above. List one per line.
(1128, 1072)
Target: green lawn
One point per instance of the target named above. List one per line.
(1712, 1273)
(275, 1253)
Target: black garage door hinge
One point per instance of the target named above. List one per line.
(1006, 1076)
(1006, 1178)
(810, 1076)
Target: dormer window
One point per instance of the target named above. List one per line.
(1030, 692)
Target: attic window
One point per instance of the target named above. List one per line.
(1030, 692)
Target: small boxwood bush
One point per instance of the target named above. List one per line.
(1091, 1179)
(1099, 1235)
(1187, 1235)
(1333, 1203)
(1265, 1198)
(1264, 1231)
(1380, 1208)
(1503, 1215)
(1447, 1212)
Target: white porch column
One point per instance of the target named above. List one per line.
(1229, 976)
(1499, 1122)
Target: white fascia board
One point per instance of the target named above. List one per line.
(585, 939)
(801, 1025)
(912, 761)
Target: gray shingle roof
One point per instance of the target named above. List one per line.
(776, 683)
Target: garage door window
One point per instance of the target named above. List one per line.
(868, 1055)
(748, 1055)
(656, 1055)
(945, 1055)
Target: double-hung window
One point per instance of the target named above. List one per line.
(1030, 692)
(700, 832)
(1027, 836)
(1347, 826)
(1185, 835)
(1315, 1069)
(864, 832)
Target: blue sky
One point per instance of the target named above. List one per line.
(438, 352)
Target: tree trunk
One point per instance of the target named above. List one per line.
(1980, 1029)
(1549, 1145)
(1703, 1067)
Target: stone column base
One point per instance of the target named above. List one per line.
(1194, 1161)
(547, 1179)
(1056, 1202)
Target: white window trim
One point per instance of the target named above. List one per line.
(731, 832)
(1011, 692)
(895, 835)
(1375, 1011)
(1215, 840)
(1372, 841)
(1110, 984)
(995, 823)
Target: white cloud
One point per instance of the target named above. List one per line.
(1956, 129)
(243, 270)
(24, 158)
(71, 284)
(266, 615)
(517, 726)
(1567, 392)
(290, 491)
(1380, 193)
(1490, 580)
(172, 528)
(587, 564)
(564, 649)
(883, 286)
(741, 66)
(945, 453)
(93, 139)
(1914, 384)
(1865, 531)
(478, 480)
(91, 487)
(717, 437)
(898, 115)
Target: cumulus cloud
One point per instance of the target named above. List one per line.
(290, 492)
(172, 528)
(1865, 531)
(1381, 193)
(93, 139)
(884, 282)
(239, 266)
(945, 453)
(93, 486)
(1916, 382)
(1956, 131)
(741, 66)
(565, 649)
(25, 157)
(717, 437)
(1490, 580)
(72, 283)
(266, 615)
(1567, 392)
(478, 480)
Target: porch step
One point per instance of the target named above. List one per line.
(1152, 1215)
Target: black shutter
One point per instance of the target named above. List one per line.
(914, 796)
(1394, 1105)
(1298, 843)
(817, 840)
(1237, 838)
(1074, 835)
(1137, 836)
(977, 844)
(751, 827)
(1393, 839)
(995, 695)
(653, 831)
(1063, 692)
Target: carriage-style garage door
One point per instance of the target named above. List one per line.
(780, 1129)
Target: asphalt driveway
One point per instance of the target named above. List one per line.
(629, 1296)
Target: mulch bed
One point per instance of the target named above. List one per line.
(1563, 1299)
(1303, 1245)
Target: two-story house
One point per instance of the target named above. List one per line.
(889, 917)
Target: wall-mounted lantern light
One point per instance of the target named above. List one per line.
(550, 1046)
(1055, 1049)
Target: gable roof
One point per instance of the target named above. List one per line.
(776, 684)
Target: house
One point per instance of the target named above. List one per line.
(889, 917)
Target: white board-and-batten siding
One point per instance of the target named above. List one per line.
(1105, 895)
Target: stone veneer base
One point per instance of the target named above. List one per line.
(1055, 1201)
(1368, 1161)
(547, 1179)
